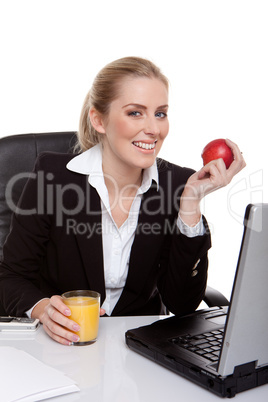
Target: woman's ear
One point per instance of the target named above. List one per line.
(96, 120)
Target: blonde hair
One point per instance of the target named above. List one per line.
(105, 89)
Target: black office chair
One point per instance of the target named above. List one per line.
(17, 156)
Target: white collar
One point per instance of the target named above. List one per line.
(90, 163)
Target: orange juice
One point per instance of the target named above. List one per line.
(85, 311)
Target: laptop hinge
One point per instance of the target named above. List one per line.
(244, 369)
(246, 378)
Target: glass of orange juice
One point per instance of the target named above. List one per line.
(85, 311)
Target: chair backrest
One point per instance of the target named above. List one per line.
(17, 157)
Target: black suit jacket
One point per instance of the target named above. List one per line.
(55, 244)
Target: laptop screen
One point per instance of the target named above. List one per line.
(246, 332)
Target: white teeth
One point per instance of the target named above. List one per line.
(144, 145)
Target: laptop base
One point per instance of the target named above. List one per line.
(222, 349)
(244, 377)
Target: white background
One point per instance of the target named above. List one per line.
(215, 54)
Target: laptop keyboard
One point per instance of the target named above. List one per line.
(207, 345)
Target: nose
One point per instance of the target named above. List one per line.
(152, 126)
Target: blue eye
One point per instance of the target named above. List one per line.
(161, 115)
(134, 113)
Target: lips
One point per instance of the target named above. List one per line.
(144, 145)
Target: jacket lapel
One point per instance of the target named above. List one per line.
(89, 239)
(146, 246)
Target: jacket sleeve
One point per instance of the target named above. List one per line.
(24, 250)
(183, 271)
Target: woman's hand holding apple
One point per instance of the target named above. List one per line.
(212, 176)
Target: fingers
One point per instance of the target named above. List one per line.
(239, 162)
(211, 177)
(214, 174)
(227, 174)
(214, 168)
(102, 311)
(59, 305)
(59, 335)
(57, 324)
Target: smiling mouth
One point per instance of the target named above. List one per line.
(144, 145)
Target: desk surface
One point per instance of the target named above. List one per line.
(108, 371)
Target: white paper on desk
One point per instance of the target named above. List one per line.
(26, 379)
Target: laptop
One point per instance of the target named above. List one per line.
(224, 348)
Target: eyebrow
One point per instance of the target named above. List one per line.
(144, 107)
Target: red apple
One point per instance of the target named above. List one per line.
(217, 149)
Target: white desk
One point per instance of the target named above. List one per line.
(108, 371)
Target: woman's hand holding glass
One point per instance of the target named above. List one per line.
(53, 314)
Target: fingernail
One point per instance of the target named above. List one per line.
(76, 327)
(75, 338)
(69, 343)
(67, 312)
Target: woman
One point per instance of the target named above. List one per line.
(115, 218)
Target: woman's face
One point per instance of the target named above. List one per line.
(137, 123)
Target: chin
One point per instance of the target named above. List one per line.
(145, 164)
